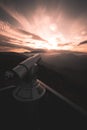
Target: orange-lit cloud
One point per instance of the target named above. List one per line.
(43, 29)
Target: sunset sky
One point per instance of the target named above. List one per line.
(43, 24)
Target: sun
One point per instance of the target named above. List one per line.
(53, 27)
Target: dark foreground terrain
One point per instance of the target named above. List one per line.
(49, 112)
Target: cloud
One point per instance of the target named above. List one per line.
(11, 37)
(83, 42)
(29, 30)
(12, 49)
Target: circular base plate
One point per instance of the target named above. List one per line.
(28, 93)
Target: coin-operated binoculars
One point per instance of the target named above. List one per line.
(27, 87)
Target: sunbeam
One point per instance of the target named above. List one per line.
(42, 29)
